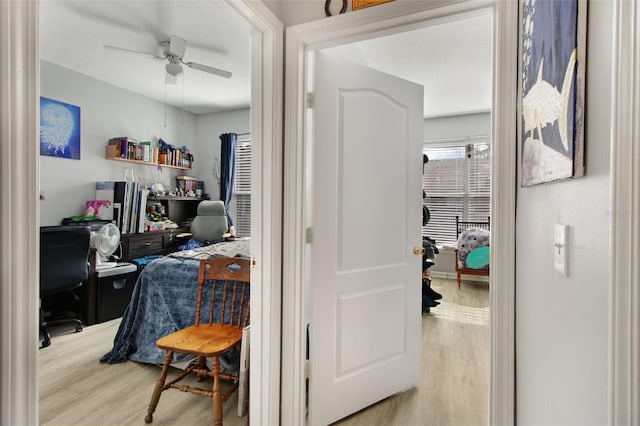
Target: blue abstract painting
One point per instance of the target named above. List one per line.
(59, 129)
(552, 90)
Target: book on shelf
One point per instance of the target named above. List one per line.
(143, 151)
(146, 151)
(121, 144)
(126, 147)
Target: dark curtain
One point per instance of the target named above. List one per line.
(227, 168)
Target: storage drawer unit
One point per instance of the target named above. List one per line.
(150, 243)
(114, 288)
(140, 245)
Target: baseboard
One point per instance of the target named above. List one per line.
(453, 276)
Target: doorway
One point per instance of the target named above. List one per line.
(19, 112)
(309, 39)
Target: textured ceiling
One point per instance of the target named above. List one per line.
(73, 33)
(451, 60)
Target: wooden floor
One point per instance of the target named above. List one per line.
(75, 389)
(454, 390)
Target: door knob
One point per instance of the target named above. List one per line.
(418, 251)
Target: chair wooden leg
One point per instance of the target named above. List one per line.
(217, 396)
(157, 390)
(201, 363)
(458, 280)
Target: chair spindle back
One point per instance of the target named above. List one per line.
(229, 278)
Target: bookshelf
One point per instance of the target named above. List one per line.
(111, 153)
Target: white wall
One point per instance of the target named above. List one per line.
(209, 127)
(457, 126)
(108, 111)
(562, 323)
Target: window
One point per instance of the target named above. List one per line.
(241, 201)
(457, 182)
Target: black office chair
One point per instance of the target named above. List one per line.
(64, 266)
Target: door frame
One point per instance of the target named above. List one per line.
(369, 23)
(624, 274)
(19, 119)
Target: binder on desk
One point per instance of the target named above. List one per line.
(119, 193)
(142, 212)
(129, 206)
(133, 213)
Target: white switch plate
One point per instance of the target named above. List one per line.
(560, 249)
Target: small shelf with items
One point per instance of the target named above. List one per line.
(178, 209)
(141, 152)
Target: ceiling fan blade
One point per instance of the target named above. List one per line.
(177, 46)
(210, 70)
(136, 52)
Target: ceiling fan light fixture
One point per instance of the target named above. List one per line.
(173, 68)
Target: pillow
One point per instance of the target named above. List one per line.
(470, 239)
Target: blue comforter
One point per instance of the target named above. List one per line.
(163, 301)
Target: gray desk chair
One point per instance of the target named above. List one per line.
(210, 224)
(64, 266)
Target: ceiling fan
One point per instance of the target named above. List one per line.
(173, 52)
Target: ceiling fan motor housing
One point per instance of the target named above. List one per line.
(173, 67)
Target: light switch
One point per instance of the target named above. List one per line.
(560, 248)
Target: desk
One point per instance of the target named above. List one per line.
(133, 246)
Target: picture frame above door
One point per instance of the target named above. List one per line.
(361, 4)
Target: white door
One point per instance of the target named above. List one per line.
(365, 307)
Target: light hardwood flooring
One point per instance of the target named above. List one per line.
(454, 389)
(76, 389)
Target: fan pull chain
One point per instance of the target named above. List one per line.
(165, 104)
(183, 81)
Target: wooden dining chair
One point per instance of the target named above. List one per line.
(228, 314)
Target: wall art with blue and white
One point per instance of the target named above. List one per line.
(552, 106)
(59, 129)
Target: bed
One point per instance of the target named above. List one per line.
(470, 235)
(163, 301)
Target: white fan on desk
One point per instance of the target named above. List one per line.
(106, 241)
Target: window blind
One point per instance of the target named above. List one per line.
(241, 205)
(457, 182)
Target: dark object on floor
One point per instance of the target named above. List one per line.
(64, 266)
(429, 292)
(427, 301)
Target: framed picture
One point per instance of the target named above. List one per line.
(361, 4)
(59, 129)
(552, 89)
